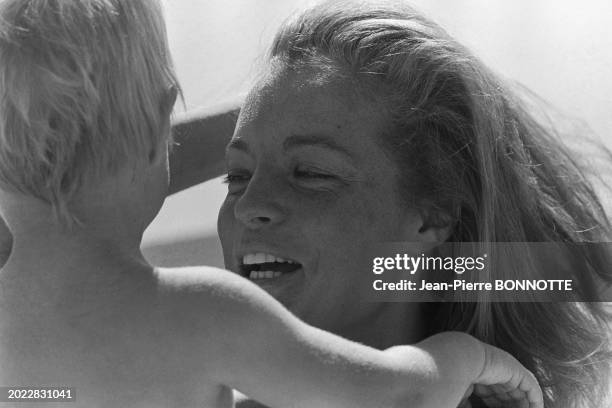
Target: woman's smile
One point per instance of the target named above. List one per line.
(266, 266)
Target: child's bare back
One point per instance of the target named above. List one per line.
(149, 340)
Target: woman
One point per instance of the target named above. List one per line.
(371, 124)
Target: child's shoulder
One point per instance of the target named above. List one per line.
(213, 313)
(207, 283)
(187, 276)
(213, 298)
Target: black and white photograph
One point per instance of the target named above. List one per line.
(305, 203)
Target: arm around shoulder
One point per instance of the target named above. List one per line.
(255, 345)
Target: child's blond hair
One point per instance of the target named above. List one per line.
(81, 90)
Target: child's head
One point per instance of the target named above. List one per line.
(86, 88)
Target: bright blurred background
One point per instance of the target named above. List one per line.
(560, 49)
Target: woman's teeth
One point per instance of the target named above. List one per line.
(266, 266)
(264, 274)
(259, 258)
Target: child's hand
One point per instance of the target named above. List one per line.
(464, 366)
(504, 382)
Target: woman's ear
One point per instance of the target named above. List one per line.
(436, 227)
(429, 229)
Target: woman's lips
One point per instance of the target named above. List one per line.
(264, 266)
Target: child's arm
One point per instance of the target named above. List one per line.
(312, 368)
(261, 349)
(200, 138)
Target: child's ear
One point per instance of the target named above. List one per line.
(165, 109)
(168, 100)
(166, 106)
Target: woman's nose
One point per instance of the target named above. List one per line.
(259, 205)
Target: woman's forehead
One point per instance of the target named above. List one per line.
(310, 97)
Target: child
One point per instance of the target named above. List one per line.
(87, 89)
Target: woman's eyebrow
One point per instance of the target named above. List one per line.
(295, 141)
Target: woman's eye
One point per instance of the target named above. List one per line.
(312, 174)
(236, 180)
(232, 178)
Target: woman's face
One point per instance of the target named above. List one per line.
(309, 184)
